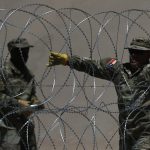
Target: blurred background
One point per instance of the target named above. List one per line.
(81, 111)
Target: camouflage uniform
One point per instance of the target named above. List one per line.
(133, 97)
(16, 85)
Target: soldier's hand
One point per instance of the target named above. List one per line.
(24, 103)
(57, 59)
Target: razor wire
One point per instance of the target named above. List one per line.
(80, 113)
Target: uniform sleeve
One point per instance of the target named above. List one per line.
(5, 98)
(29, 94)
(146, 72)
(104, 69)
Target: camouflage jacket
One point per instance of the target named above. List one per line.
(132, 88)
(15, 85)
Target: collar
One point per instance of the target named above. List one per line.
(128, 70)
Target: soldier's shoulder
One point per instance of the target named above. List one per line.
(6, 69)
(109, 61)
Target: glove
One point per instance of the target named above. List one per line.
(57, 59)
(24, 103)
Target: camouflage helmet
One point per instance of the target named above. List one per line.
(18, 43)
(139, 44)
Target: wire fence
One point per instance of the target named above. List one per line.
(81, 112)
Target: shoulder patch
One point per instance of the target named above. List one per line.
(111, 62)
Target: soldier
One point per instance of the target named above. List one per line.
(132, 84)
(17, 91)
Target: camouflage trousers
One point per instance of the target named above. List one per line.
(12, 139)
(137, 133)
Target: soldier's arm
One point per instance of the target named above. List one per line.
(103, 69)
(5, 97)
(29, 104)
(6, 100)
(146, 72)
(29, 96)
